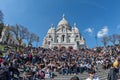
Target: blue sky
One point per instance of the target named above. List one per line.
(93, 17)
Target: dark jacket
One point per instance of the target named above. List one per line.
(113, 74)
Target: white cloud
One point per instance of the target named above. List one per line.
(102, 32)
(89, 30)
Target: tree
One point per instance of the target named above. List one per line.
(1, 17)
(37, 40)
(1, 23)
(96, 40)
(118, 39)
(31, 37)
(8, 34)
(20, 33)
(113, 38)
(105, 40)
(1, 28)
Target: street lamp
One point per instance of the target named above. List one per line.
(96, 40)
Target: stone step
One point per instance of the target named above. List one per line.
(102, 74)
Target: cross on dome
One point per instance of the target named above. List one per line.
(74, 24)
(63, 22)
(63, 17)
(52, 25)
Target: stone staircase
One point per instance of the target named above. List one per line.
(102, 74)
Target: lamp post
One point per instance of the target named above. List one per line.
(96, 40)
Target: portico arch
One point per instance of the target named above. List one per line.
(63, 48)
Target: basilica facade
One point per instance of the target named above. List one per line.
(64, 36)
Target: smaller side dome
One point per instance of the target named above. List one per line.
(49, 31)
(52, 29)
(76, 30)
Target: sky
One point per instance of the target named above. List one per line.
(92, 17)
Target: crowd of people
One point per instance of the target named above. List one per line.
(41, 63)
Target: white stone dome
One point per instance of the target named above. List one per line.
(76, 30)
(63, 22)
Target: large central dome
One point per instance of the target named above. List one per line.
(63, 22)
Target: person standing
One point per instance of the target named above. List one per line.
(92, 75)
(114, 70)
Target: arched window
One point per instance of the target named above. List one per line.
(48, 42)
(76, 36)
(77, 43)
(80, 37)
(63, 38)
(68, 39)
(62, 29)
(49, 36)
(56, 39)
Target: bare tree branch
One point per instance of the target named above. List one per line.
(1, 17)
(20, 32)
